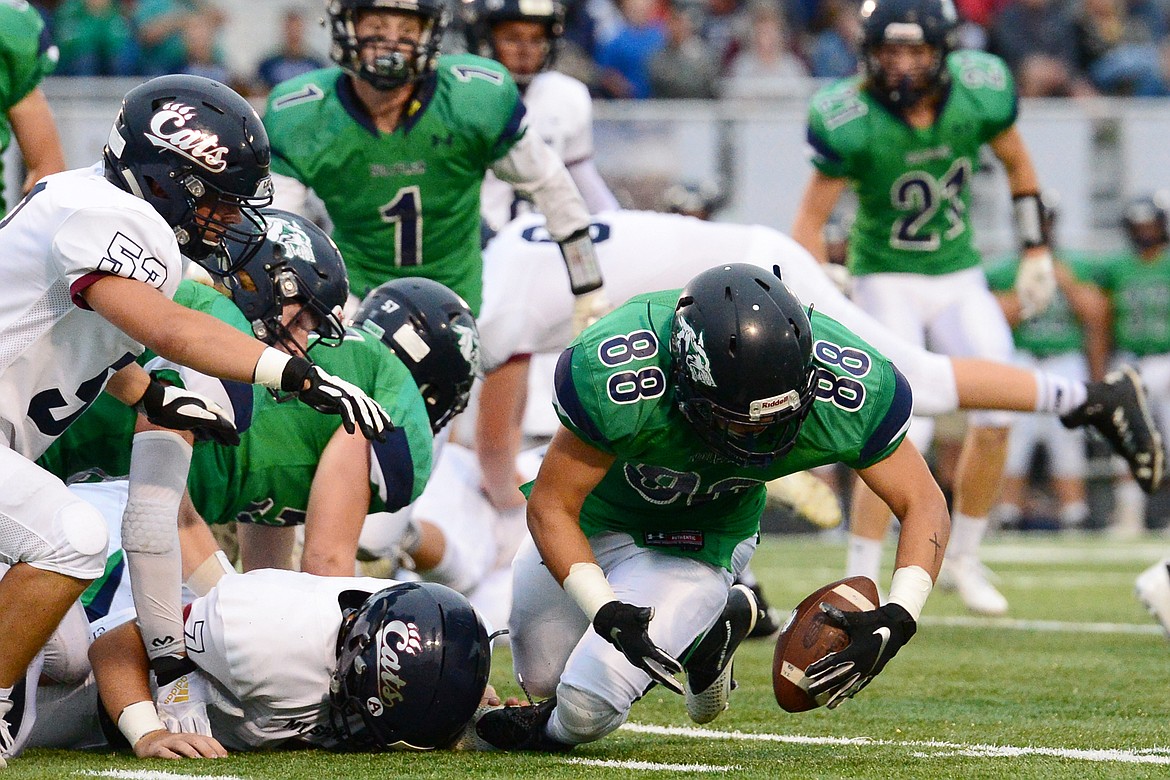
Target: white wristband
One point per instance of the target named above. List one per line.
(909, 588)
(138, 720)
(588, 586)
(208, 573)
(270, 368)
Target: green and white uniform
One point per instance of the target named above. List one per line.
(267, 478)
(671, 520)
(101, 438)
(404, 203)
(26, 56)
(911, 248)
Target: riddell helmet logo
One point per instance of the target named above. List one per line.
(168, 130)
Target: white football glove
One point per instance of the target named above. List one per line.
(588, 309)
(1035, 283)
(182, 703)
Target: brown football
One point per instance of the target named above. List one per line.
(806, 638)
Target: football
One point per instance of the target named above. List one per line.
(806, 638)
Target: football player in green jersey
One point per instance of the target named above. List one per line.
(395, 142)
(906, 136)
(675, 410)
(27, 56)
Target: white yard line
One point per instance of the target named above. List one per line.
(1058, 626)
(151, 774)
(924, 749)
(650, 766)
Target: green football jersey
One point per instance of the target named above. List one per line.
(1054, 331)
(26, 56)
(101, 437)
(1140, 293)
(913, 185)
(667, 488)
(266, 479)
(404, 203)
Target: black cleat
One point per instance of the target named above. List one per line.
(520, 728)
(709, 667)
(1117, 408)
(768, 618)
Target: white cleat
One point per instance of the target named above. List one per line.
(1152, 589)
(969, 577)
(808, 496)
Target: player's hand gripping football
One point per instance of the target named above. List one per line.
(185, 410)
(625, 627)
(875, 637)
(331, 395)
(1035, 282)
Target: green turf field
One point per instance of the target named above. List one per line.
(1075, 684)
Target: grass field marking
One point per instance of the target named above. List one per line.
(936, 749)
(1058, 626)
(650, 766)
(151, 774)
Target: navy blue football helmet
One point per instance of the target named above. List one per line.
(481, 16)
(741, 351)
(1145, 221)
(392, 69)
(932, 22)
(430, 329)
(297, 263)
(412, 665)
(187, 144)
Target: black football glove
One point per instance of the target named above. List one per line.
(624, 626)
(185, 410)
(330, 395)
(875, 637)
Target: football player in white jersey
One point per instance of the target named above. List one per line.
(523, 35)
(334, 639)
(92, 258)
(524, 313)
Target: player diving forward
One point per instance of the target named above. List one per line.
(676, 409)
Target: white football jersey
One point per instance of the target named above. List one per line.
(269, 639)
(559, 109)
(55, 353)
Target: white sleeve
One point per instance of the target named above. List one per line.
(534, 169)
(289, 194)
(593, 188)
(120, 243)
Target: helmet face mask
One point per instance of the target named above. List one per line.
(198, 154)
(294, 282)
(431, 330)
(1146, 223)
(508, 31)
(362, 47)
(904, 46)
(412, 664)
(741, 349)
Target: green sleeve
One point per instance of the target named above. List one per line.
(491, 109)
(1001, 275)
(991, 86)
(295, 135)
(836, 137)
(26, 53)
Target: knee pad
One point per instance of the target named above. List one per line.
(82, 531)
(582, 716)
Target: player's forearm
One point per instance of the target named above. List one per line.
(535, 170)
(499, 432)
(592, 187)
(120, 668)
(36, 135)
(558, 536)
(1009, 147)
(904, 482)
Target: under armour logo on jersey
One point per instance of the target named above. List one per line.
(438, 140)
(168, 130)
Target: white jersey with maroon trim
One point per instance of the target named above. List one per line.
(55, 353)
(559, 109)
(269, 639)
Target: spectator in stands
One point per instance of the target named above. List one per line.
(624, 59)
(95, 39)
(833, 53)
(724, 28)
(768, 67)
(161, 25)
(292, 58)
(686, 67)
(202, 57)
(1118, 49)
(1038, 40)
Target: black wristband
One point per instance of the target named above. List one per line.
(169, 668)
(292, 379)
(152, 398)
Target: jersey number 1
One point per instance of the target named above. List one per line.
(405, 213)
